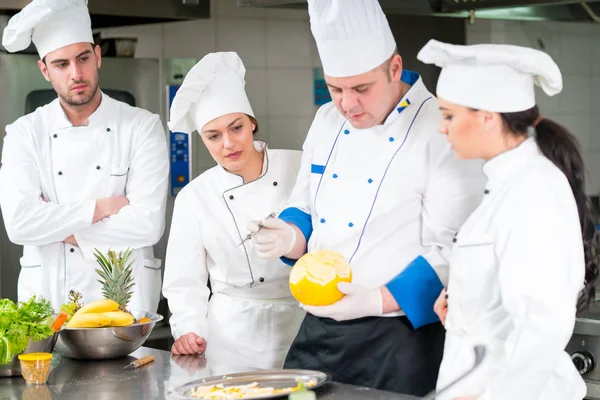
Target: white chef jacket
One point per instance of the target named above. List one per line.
(516, 271)
(51, 175)
(251, 318)
(385, 195)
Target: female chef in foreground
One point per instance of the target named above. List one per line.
(251, 318)
(521, 264)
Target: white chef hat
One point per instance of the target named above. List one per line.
(50, 24)
(492, 77)
(213, 87)
(352, 36)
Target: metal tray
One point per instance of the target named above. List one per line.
(278, 379)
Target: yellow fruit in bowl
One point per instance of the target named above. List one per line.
(314, 277)
(91, 320)
(98, 306)
(119, 318)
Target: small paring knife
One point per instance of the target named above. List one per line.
(260, 226)
(139, 362)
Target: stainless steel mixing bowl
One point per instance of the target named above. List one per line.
(106, 343)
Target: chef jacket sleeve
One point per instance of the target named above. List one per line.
(185, 283)
(141, 223)
(453, 190)
(28, 219)
(541, 271)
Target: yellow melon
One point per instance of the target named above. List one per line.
(314, 277)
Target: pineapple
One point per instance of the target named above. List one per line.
(115, 272)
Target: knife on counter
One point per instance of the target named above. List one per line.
(139, 362)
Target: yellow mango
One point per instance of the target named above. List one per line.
(119, 318)
(91, 320)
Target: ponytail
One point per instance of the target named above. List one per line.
(562, 148)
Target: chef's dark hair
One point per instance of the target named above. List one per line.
(562, 148)
(255, 122)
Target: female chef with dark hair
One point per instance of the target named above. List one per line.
(251, 318)
(522, 264)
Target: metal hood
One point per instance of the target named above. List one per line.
(107, 13)
(532, 10)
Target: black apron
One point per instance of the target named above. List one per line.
(376, 352)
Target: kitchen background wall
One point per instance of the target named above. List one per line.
(279, 53)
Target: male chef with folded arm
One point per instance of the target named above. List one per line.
(83, 172)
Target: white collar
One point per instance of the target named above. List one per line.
(506, 164)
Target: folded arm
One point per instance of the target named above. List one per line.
(140, 223)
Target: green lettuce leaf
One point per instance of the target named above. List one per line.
(20, 322)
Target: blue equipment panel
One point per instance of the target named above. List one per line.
(179, 154)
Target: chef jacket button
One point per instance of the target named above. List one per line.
(274, 183)
(486, 191)
(97, 167)
(261, 279)
(231, 197)
(322, 220)
(107, 129)
(60, 172)
(350, 224)
(370, 180)
(346, 131)
(72, 250)
(392, 139)
(453, 240)
(55, 136)
(335, 175)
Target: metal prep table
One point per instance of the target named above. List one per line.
(99, 380)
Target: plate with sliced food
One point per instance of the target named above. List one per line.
(268, 384)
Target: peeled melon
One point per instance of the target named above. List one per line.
(314, 277)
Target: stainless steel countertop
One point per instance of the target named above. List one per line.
(99, 380)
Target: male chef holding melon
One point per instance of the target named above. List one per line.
(379, 185)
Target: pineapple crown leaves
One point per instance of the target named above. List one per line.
(116, 271)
